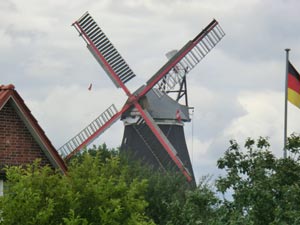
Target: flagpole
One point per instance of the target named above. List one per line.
(285, 102)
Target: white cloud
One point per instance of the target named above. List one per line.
(6, 41)
(264, 110)
(67, 110)
(264, 118)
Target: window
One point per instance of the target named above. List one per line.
(1, 187)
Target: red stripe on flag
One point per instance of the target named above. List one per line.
(293, 83)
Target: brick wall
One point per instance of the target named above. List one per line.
(17, 145)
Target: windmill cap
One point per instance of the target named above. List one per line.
(171, 53)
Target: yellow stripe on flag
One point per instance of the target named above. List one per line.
(294, 97)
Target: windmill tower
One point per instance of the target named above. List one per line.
(153, 120)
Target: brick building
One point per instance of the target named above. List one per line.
(22, 140)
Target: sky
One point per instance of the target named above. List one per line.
(237, 90)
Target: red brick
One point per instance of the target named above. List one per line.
(17, 145)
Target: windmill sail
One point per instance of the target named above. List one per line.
(185, 59)
(103, 50)
(90, 132)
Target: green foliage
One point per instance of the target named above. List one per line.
(72, 220)
(104, 187)
(199, 206)
(103, 195)
(35, 195)
(171, 200)
(101, 152)
(293, 146)
(95, 191)
(165, 192)
(264, 188)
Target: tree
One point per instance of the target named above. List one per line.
(34, 195)
(95, 191)
(198, 206)
(103, 193)
(264, 189)
(171, 199)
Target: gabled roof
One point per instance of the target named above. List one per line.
(8, 93)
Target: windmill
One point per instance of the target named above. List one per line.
(153, 119)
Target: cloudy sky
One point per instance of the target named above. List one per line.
(237, 90)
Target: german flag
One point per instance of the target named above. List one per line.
(293, 85)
